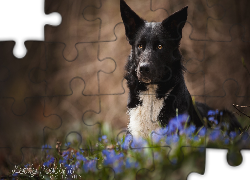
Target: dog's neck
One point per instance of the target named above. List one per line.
(144, 117)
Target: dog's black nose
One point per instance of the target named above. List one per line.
(144, 68)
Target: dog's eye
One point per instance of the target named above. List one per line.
(140, 46)
(159, 46)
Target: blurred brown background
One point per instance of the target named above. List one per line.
(75, 78)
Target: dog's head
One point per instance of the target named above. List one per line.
(155, 45)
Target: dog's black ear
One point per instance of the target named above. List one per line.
(130, 19)
(176, 22)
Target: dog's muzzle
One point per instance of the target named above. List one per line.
(143, 72)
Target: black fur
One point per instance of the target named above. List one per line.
(149, 63)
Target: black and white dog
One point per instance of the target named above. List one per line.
(154, 74)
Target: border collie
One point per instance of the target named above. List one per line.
(154, 74)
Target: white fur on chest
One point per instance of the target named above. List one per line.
(143, 119)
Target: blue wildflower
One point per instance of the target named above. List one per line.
(214, 135)
(80, 157)
(111, 156)
(172, 139)
(177, 123)
(232, 135)
(245, 136)
(226, 140)
(82, 151)
(188, 131)
(162, 131)
(196, 138)
(118, 167)
(138, 143)
(130, 164)
(77, 164)
(66, 155)
(62, 161)
(69, 169)
(104, 137)
(46, 164)
(212, 112)
(49, 162)
(156, 137)
(202, 132)
(90, 166)
(85, 167)
(125, 144)
(211, 119)
(67, 144)
(15, 174)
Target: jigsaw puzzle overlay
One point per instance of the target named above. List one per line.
(63, 107)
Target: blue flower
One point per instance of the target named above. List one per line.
(66, 155)
(90, 166)
(245, 136)
(104, 137)
(67, 144)
(196, 138)
(15, 174)
(46, 164)
(172, 139)
(49, 162)
(232, 135)
(69, 169)
(82, 151)
(177, 123)
(188, 131)
(77, 164)
(156, 138)
(214, 135)
(212, 112)
(138, 143)
(162, 131)
(125, 144)
(118, 167)
(80, 157)
(202, 132)
(226, 140)
(62, 161)
(111, 157)
(211, 119)
(130, 164)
